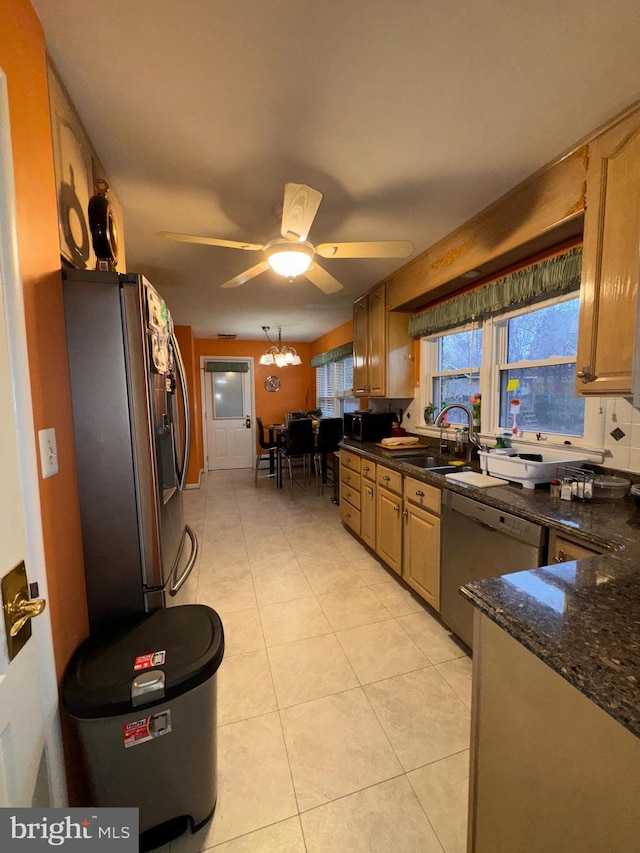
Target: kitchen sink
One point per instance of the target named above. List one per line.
(432, 464)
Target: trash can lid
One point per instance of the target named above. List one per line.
(185, 642)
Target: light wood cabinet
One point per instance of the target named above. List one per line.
(389, 528)
(368, 503)
(421, 540)
(382, 348)
(368, 513)
(610, 265)
(562, 549)
(350, 490)
(389, 517)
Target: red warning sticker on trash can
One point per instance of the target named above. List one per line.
(147, 661)
(147, 728)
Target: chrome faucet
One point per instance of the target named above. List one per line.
(473, 438)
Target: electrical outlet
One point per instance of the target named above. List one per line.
(48, 452)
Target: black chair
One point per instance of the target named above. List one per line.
(300, 445)
(269, 447)
(330, 434)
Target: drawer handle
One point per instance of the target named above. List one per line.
(370, 492)
(405, 513)
(561, 557)
(347, 478)
(386, 477)
(396, 507)
(419, 493)
(366, 468)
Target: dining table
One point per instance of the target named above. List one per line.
(278, 435)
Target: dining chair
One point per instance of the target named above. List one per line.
(269, 447)
(300, 445)
(330, 434)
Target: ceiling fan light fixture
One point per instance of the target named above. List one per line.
(289, 259)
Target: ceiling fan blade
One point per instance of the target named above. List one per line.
(322, 279)
(247, 275)
(209, 241)
(375, 249)
(301, 204)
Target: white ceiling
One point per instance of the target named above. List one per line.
(409, 115)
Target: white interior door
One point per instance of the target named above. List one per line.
(229, 415)
(31, 766)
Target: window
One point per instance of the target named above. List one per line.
(456, 374)
(522, 363)
(334, 381)
(537, 355)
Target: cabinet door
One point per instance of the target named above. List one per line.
(609, 289)
(368, 515)
(360, 314)
(421, 561)
(562, 550)
(377, 343)
(389, 529)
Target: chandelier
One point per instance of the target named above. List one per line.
(281, 356)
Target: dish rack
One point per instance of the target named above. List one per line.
(581, 481)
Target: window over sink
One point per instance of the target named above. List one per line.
(522, 364)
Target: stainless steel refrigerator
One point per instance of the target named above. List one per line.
(131, 425)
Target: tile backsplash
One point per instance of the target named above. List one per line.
(623, 451)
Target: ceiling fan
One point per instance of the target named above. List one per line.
(291, 254)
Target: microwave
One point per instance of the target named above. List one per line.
(368, 426)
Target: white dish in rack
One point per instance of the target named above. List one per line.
(524, 471)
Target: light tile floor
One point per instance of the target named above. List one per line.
(343, 703)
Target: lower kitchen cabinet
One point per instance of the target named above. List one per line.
(388, 522)
(421, 560)
(368, 514)
(350, 491)
(389, 528)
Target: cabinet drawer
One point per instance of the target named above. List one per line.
(350, 516)
(350, 460)
(349, 478)
(389, 479)
(368, 470)
(350, 493)
(428, 497)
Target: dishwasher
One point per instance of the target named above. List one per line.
(480, 541)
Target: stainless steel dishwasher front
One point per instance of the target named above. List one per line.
(480, 541)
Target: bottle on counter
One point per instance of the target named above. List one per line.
(566, 489)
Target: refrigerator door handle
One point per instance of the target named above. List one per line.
(177, 584)
(182, 466)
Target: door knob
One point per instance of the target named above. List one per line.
(21, 610)
(19, 607)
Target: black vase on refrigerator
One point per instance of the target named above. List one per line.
(131, 425)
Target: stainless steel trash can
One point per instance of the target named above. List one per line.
(144, 702)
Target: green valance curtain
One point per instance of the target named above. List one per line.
(335, 354)
(535, 283)
(226, 367)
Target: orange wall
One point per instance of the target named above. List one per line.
(336, 337)
(298, 388)
(22, 58)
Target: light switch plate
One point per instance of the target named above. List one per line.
(48, 452)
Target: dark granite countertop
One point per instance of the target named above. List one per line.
(581, 618)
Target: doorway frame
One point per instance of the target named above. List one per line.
(12, 298)
(203, 398)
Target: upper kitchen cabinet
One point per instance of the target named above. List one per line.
(77, 168)
(382, 348)
(609, 289)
